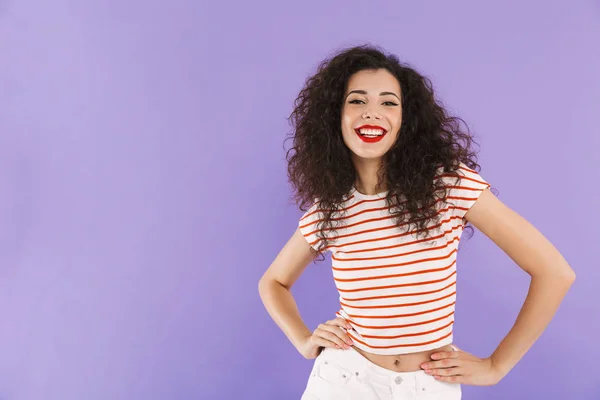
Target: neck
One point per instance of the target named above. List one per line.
(368, 176)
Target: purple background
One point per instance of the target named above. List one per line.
(143, 189)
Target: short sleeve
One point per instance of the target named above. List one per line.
(308, 225)
(462, 195)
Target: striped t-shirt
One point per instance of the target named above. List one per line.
(396, 291)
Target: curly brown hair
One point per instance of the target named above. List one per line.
(320, 168)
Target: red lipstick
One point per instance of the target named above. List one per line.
(370, 139)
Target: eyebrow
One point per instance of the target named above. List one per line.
(365, 92)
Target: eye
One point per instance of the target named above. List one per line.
(391, 103)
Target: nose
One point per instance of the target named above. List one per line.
(370, 114)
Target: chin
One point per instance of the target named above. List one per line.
(368, 154)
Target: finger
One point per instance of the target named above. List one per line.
(445, 354)
(444, 363)
(319, 341)
(444, 371)
(326, 333)
(340, 322)
(340, 333)
(343, 324)
(450, 379)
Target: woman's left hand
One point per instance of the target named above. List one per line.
(462, 367)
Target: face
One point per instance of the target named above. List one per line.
(371, 113)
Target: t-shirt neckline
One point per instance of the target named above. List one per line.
(380, 195)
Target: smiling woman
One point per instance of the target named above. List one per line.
(372, 88)
(373, 95)
(388, 183)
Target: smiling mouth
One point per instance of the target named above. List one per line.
(370, 135)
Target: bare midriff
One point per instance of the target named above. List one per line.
(402, 362)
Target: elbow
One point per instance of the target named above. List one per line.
(265, 284)
(563, 278)
(570, 276)
(566, 277)
(567, 274)
(262, 285)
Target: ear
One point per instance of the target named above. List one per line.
(455, 347)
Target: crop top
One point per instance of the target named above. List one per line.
(396, 291)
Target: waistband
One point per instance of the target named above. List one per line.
(350, 359)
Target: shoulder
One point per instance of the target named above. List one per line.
(308, 223)
(463, 186)
(461, 178)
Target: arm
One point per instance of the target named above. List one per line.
(551, 275)
(275, 285)
(274, 289)
(551, 278)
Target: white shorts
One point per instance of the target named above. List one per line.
(347, 374)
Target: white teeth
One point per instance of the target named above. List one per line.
(371, 132)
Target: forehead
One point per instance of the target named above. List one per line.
(373, 81)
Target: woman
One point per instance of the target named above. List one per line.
(391, 182)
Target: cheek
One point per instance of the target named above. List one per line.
(397, 123)
(396, 116)
(347, 124)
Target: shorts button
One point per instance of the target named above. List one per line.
(398, 380)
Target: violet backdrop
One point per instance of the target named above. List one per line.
(143, 188)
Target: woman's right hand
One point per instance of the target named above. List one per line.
(329, 334)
